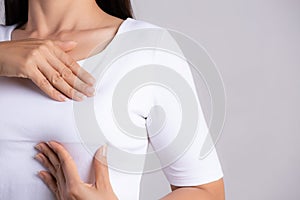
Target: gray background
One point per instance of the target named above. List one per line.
(256, 45)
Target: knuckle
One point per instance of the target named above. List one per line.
(66, 73)
(48, 43)
(52, 169)
(27, 63)
(57, 167)
(55, 78)
(71, 63)
(70, 92)
(34, 53)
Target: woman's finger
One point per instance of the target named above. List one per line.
(50, 181)
(46, 163)
(42, 82)
(74, 66)
(59, 82)
(101, 169)
(54, 160)
(67, 163)
(68, 76)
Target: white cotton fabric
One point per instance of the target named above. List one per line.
(27, 116)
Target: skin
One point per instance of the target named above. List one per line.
(58, 39)
(63, 178)
(50, 63)
(48, 66)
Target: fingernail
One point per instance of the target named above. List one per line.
(38, 147)
(38, 158)
(62, 97)
(52, 144)
(104, 150)
(90, 90)
(40, 174)
(83, 97)
(91, 81)
(49, 144)
(79, 97)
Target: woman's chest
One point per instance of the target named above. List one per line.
(28, 114)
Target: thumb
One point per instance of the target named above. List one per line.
(66, 45)
(101, 168)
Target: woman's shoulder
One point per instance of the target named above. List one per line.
(5, 32)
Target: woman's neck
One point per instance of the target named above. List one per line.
(46, 17)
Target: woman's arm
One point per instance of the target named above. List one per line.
(48, 65)
(64, 181)
(210, 191)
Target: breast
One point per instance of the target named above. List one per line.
(25, 108)
(27, 117)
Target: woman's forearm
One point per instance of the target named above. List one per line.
(189, 193)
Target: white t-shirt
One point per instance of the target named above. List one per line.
(28, 116)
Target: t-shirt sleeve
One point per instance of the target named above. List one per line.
(5, 32)
(177, 148)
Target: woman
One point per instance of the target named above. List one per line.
(44, 48)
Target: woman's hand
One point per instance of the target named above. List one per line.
(63, 178)
(48, 65)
